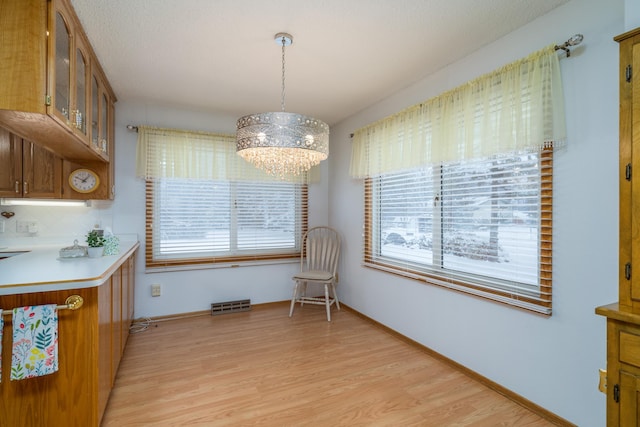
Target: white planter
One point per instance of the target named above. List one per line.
(95, 252)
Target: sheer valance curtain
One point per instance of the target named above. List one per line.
(516, 108)
(174, 153)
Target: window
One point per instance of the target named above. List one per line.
(203, 221)
(206, 205)
(479, 226)
(458, 188)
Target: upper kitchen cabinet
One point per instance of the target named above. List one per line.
(28, 170)
(53, 90)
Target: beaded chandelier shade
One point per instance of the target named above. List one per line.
(282, 143)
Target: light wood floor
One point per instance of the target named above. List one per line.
(262, 368)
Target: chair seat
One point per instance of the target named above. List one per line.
(313, 275)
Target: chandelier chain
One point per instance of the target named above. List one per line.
(282, 96)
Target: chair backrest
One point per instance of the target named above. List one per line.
(321, 250)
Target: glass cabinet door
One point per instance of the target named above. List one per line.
(62, 90)
(100, 115)
(79, 116)
(70, 67)
(95, 114)
(104, 124)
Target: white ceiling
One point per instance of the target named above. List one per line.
(220, 56)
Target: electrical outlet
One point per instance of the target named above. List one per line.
(156, 291)
(26, 226)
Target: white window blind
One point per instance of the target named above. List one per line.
(479, 226)
(203, 221)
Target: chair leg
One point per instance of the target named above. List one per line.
(326, 302)
(302, 292)
(335, 295)
(293, 299)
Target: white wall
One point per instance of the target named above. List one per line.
(631, 14)
(551, 361)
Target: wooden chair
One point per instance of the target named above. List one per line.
(318, 264)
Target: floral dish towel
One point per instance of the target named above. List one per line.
(35, 341)
(1, 329)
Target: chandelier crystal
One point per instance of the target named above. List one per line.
(282, 143)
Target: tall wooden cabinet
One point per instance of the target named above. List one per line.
(623, 317)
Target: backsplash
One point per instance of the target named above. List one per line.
(54, 222)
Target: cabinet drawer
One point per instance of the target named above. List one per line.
(630, 348)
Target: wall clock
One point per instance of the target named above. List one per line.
(84, 180)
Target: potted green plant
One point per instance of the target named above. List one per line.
(95, 241)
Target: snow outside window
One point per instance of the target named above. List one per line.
(480, 226)
(198, 221)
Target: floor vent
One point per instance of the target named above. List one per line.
(230, 307)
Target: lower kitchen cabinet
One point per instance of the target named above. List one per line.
(91, 341)
(623, 366)
(630, 398)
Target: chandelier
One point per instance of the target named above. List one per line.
(282, 143)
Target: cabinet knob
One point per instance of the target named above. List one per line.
(17, 187)
(26, 187)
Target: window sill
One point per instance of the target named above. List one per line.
(521, 302)
(189, 267)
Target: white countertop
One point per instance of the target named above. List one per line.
(40, 269)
